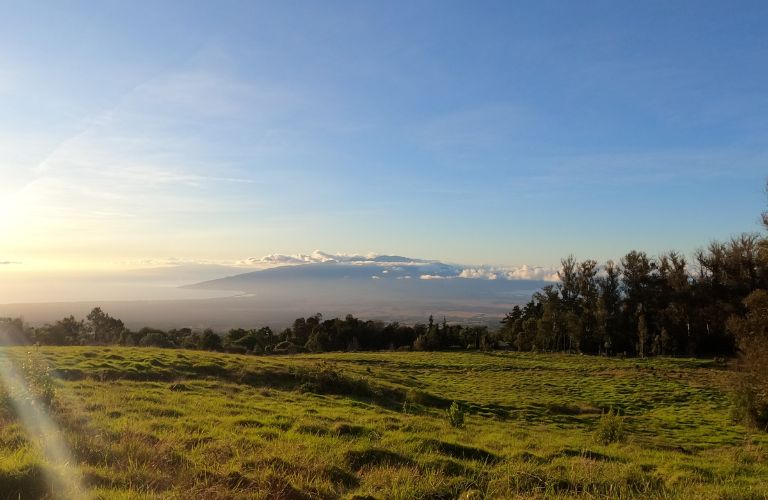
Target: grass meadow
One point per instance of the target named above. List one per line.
(176, 424)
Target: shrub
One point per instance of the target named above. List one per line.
(748, 407)
(750, 397)
(610, 428)
(455, 415)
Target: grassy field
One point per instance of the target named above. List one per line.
(151, 423)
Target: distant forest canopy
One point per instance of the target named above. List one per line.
(644, 306)
(640, 306)
(311, 334)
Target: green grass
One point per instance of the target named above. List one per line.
(152, 423)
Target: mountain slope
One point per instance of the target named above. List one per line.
(356, 283)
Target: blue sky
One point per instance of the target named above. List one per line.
(473, 132)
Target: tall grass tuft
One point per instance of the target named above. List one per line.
(455, 415)
(38, 379)
(610, 428)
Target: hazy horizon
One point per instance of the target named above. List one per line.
(274, 290)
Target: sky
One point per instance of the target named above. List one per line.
(503, 133)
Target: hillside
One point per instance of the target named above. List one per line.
(151, 423)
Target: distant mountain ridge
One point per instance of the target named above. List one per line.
(204, 294)
(373, 283)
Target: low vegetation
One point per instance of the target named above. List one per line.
(158, 423)
(610, 428)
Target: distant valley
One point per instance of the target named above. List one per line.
(390, 288)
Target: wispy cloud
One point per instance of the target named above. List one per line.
(143, 160)
(319, 257)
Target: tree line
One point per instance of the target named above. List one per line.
(310, 334)
(640, 306)
(644, 306)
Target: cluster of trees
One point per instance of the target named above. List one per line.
(644, 306)
(350, 333)
(312, 334)
(716, 305)
(751, 332)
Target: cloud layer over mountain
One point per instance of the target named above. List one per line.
(421, 268)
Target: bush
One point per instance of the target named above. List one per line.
(455, 415)
(322, 377)
(748, 407)
(610, 428)
(750, 396)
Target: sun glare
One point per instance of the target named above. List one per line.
(61, 470)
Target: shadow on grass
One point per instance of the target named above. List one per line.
(461, 451)
(27, 482)
(589, 454)
(357, 459)
(322, 378)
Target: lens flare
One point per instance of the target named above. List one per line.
(61, 470)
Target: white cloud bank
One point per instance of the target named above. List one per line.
(320, 257)
(524, 272)
(424, 269)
